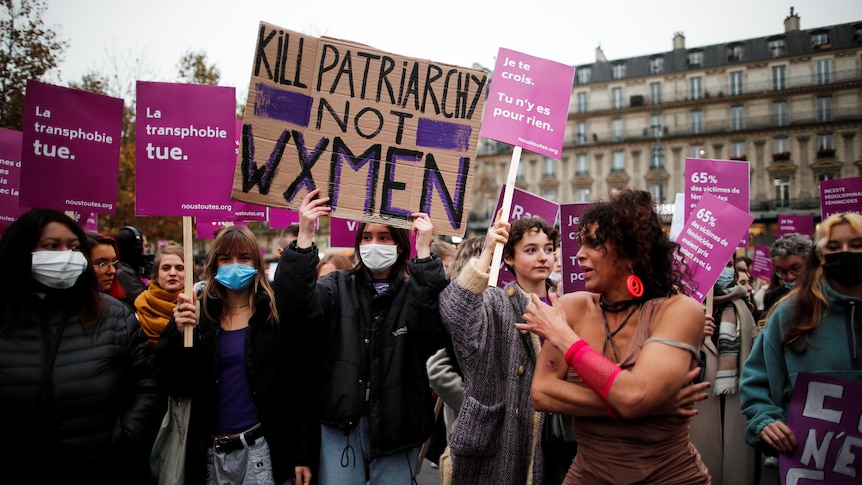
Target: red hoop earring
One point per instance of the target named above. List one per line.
(635, 286)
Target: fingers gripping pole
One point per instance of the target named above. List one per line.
(504, 216)
(188, 257)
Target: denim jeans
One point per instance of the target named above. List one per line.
(346, 460)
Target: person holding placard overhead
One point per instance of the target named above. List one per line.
(816, 328)
(615, 356)
(248, 420)
(369, 332)
(79, 399)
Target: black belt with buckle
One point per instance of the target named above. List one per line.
(232, 443)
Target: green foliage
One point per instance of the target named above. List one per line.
(193, 69)
(28, 50)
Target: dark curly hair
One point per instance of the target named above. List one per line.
(628, 223)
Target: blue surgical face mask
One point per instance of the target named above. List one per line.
(790, 285)
(236, 276)
(725, 278)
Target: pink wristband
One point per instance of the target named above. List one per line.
(573, 351)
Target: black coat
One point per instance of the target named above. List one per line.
(359, 336)
(193, 372)
(101, 408)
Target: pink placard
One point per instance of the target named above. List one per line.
(761, 263)
(570, 224)
(841, 195)
(788, 224)
(70, 158)
(186, 150)
(342, 232)
(706, 242)
(89, 221)
(824, 414)
(10, 177)
(528, 103)
(206, 228)
(280, 218)
(726, 179)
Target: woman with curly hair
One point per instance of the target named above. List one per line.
(816, 328)
(615, 356)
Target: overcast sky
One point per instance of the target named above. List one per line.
(460, 32)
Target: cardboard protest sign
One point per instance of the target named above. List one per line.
(788, 224)
(10, 177)
(570, 225)
(726, 179)
(825, 417)
(528, 102)
(761, 263)
(382, 135)
(707, 242)
(70, 156)
(840, 195)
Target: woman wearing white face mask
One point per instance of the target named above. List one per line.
(371, 330)
(77, 379)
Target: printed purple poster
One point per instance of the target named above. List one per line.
(524, 204)
(840, 195)
(185, 150)
(280, 218)
(87, 220)
(726, 179)
(342, 232)
(792, 223)
(206, 228)
(706, 242)
(10, 177)
(826, 419)
(70, 157)
(528, 103)
(570, 224)
(761, 263)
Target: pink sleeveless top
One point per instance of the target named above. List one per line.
(655, 449)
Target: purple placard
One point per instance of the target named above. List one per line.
(706, 242)
(528, 103)
(342, 232)
(792, 223)
(70, 158)
(524, 204)
(825, 417)
(570, 224)
(761, 263)
(10, 177)
(206, 228)
(280, 218)
(840, 195)
(726, 179)
(186, 139)
(89, 221)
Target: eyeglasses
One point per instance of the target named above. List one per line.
(103, 266)
(794, 270)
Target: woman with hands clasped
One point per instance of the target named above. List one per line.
(370, 330)
(616, 356)
(246, 424)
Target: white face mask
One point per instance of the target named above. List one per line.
(58, 269)
(378, 257)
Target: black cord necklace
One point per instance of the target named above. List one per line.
(609, 336)
(615, 307)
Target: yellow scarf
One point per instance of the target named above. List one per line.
(155, 307)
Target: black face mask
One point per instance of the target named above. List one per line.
(844, 268)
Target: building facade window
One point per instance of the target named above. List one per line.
(736, 87)
(617, 129)
(695, 58)
(655, 125)
(582, 195)
(780, 145)
(776, 48)
(819, 40)
(656, 158)
(655, 93)
(737, 118)
(696, 122)
(656, 189)
(582, 164)
(618, 161)
(618, 71)
(695, 87)
(824, 108)
(520, 175)
(737, 150)
(779, 78)
(584, 74)
(697, 151)
(581, 133)
(823, 71)
(549, 168)
(656, 65)
(779, 113)
(824, 142)
(550, 193)
(735, 53)
(617, 98)
(582, 102)
(782, 192)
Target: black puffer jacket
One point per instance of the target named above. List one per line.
(358, 336)
(288, 420)
(101, 408)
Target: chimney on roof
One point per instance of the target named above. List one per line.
(600, 55)
(678, 41)
(791, 22)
